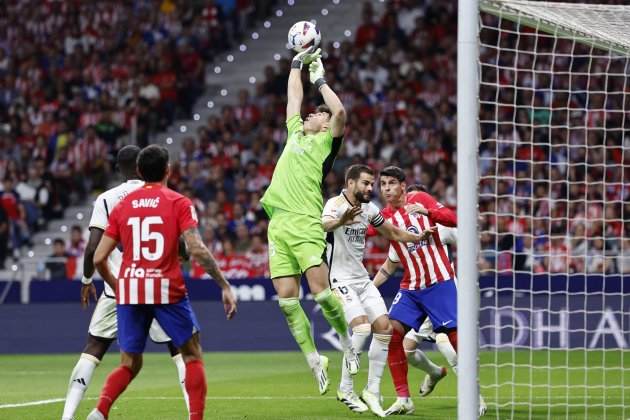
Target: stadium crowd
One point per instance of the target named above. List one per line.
(75, 77)
(397, 79)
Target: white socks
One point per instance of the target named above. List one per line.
(79, 382)
(446, 348)
(181, 373)
(360, 334)
(378, 359)
(313, 360)
(418, 359)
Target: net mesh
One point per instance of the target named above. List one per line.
(554, 203)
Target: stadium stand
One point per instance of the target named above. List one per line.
(395, 74)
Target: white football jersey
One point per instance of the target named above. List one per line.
(103, 207)
(346, 244)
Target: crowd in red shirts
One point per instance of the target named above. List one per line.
(549, 202)
(396, 77)
(76, 75)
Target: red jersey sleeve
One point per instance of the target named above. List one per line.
(113, 227)
(438, 213)
(186, 214)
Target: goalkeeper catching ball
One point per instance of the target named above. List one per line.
(294, 205)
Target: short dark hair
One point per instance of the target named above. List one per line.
(153, 163)
(126, 160)
(394, 172)
(59, 241)
(417, 187)
(324, 108)
(354, 171)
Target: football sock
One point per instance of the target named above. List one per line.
(377, 356)
(196, 387)
(444, 346)
(360, 333)
(452, 337)
(181, 373)
(418, 359)
(300, 328)
(397, 362)
(79, 382)
(332, 309)
(115, 384)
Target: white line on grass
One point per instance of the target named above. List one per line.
(260, 398)
(30, 403)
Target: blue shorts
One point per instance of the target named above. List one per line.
(177, 319)
(438, 302)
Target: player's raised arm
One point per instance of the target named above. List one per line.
(393, 233)
(385, 272)
(200, 253)
(104, 248)
(295, 90)
(337, 110)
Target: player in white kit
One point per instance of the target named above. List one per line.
(346, 218)
(103, 326)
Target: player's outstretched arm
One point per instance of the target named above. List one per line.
(393, 233)
(104, 248)
(338, 117)
(385, 272)
(295, 90)
(433, 209)
(198, 250)
(88, 289)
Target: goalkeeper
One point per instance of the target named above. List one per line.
(294, 205)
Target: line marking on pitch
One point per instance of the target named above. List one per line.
(263, 398)
(30, 403)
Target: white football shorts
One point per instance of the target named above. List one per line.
(103, 323)
(424, 333)
(361, 299)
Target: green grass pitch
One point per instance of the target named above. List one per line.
(279, 386)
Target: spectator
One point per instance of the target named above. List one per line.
(77, 242)
(4, 237)
(12, 205)
(57, 264)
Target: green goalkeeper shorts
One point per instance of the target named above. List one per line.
(296, 243)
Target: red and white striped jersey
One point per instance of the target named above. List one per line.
(148, 224)
(427, 262)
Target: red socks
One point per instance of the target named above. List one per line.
(115, 384)
(196, 388)
(397, 362)
(452, 337)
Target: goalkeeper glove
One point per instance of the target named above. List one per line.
(305, 57)
(316, 73)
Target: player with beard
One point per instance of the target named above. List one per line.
(346, 218)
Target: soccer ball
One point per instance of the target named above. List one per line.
(303, 35)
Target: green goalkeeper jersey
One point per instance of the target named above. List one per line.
(296, 185)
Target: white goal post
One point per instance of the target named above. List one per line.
(543, 207)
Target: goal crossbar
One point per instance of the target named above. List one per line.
(569, 20)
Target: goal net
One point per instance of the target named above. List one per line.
(554, 207)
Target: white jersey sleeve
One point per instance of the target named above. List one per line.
(331, 209)
(100, 213)
(374, 215)
(392, 255)
(448, 235)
